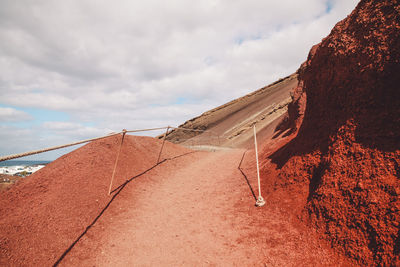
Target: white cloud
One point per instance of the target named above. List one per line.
(14, 140)
(73, 129)
(13, 115)
(124, 64)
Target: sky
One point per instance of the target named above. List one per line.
(78, 69)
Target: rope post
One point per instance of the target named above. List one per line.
(116, 160)
(159, 154)
(260, 200)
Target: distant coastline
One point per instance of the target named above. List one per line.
(9, 163)
(13, 170)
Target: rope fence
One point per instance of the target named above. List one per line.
(29, 153)
(34, 152)
(260, 200)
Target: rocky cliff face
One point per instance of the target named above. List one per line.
(346, 155)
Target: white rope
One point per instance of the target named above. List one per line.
(29, 153)
(20, 155)
(260, 201)
(146, 130)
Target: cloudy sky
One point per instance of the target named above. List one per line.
(71, 70)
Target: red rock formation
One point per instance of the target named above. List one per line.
(344, 161)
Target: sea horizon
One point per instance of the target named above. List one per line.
(10, 163)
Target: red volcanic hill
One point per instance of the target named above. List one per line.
(343, 165)
(43, 214)
(332, 163)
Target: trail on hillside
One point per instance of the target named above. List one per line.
(196, 209)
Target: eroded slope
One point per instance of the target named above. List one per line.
(232, 122)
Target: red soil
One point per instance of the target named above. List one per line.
(43, 214)
(196, 208)
(342, 169)
(334, 164)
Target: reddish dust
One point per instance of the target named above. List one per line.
(195, 208)
(333, 164)
(43, 214)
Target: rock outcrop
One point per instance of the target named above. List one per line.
(346, 155)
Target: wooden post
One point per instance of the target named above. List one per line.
(159, 154)
(116, 160)
(260, 201)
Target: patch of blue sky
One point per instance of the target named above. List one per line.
(181, 100)
(210, 61)
(88, 124)
(38, 116)
(154, 105)
(51, 155)
(189, 100)
(329, 6)
(241, 39)
(42, 115)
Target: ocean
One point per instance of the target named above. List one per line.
(9, 163)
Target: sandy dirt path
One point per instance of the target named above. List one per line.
(195, 210)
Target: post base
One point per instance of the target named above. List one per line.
(260, 202)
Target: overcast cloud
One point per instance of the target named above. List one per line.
(78, 69)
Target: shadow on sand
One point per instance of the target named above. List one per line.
(245, 177)
(117, 192)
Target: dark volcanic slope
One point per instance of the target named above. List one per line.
(233, 121)
(346, 156)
